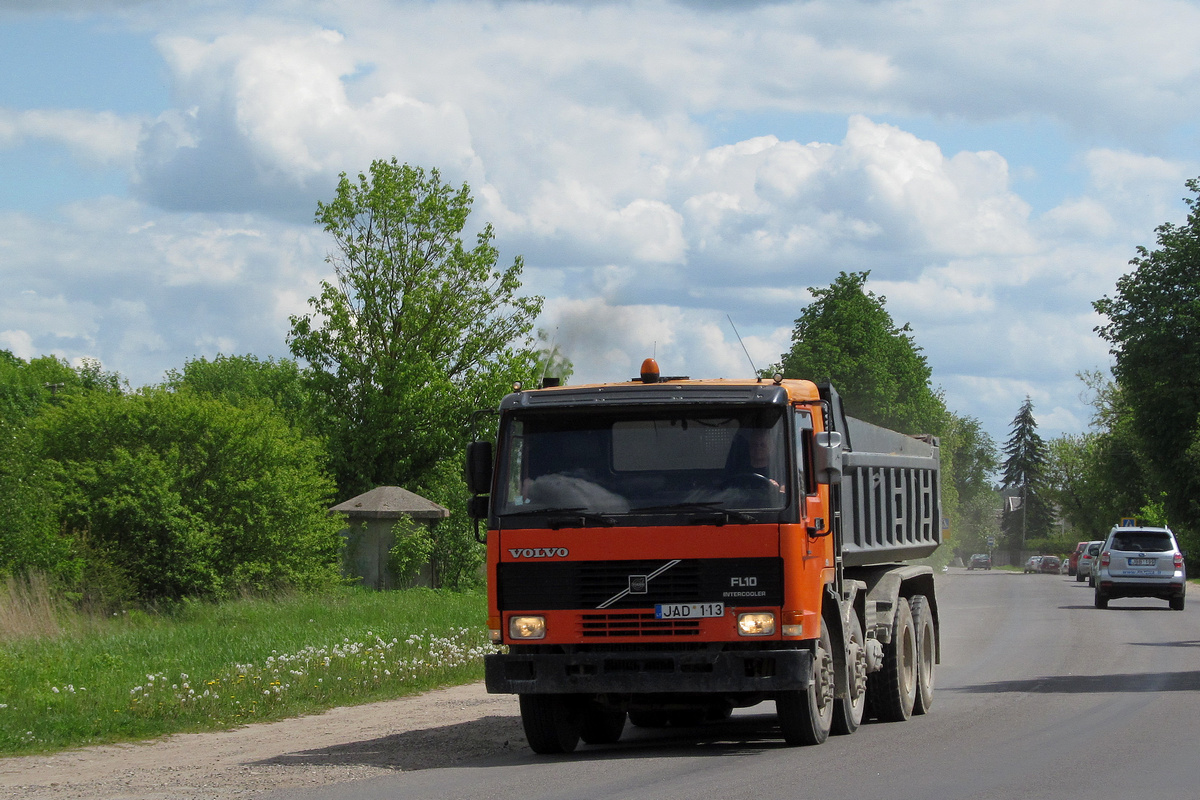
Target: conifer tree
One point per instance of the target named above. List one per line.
(1026, 513)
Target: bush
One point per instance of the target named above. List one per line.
(458, 558)
(413, 547)
(30, 538)
(191, 496)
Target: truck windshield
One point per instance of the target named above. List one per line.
(617, 462)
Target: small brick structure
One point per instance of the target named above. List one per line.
(369, 535)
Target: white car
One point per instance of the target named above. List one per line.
(1141, 562)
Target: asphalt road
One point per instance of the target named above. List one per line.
(1039, 695)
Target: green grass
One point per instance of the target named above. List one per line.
(205, 666)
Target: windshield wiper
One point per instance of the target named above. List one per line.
(715, 511)
(569, 516)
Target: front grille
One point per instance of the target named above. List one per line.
(533, 586)
(600, 581)
(596, 626)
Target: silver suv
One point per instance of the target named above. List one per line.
(1087, 562)
(1140, 562)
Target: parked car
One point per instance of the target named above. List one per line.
(1141, 562)
(1073, 559)
(1034, 564)
(980, 561)
(1086, 559)
(1050, 564)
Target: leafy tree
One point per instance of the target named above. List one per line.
(30, 537)
(1153, 330)
(245, 380)
(1024, 473)
(1101, 477)
(969, 499)
(187, 496)
(27, 386)
(1075, 481)
(417, 330)
(847, 336)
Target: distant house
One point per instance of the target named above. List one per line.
(369, 534)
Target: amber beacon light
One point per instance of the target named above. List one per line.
(650, 371)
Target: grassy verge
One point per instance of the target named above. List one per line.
(208, 666)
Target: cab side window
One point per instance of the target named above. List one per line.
(804, 449)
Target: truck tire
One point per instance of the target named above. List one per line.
(892, 691)
(922, 614)
(806, 716)
(848, 711)
(552, 722)
(601, 724)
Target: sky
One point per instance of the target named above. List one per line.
(667, 170)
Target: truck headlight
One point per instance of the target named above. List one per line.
(756, 623)
(527, 627)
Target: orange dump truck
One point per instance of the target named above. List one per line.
(665, 550)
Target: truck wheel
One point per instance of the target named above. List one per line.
(806, 716)
(848, 711)
(922, 614)
(601, 724)
(552, 722)
(892, 691)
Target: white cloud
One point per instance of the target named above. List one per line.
(143, 291)
(100, 139)
(589, 135)
(19, 343)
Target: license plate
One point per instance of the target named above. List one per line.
(1143, 562)
(688, 610)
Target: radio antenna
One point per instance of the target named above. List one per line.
(743, 344)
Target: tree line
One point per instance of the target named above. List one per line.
(218, 480)
(1140, 459)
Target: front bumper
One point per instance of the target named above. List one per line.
(648, 672)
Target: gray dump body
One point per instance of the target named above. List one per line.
(889, 493)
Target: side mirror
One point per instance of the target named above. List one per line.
(827, 456)
(477, 507)
(479, 467)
